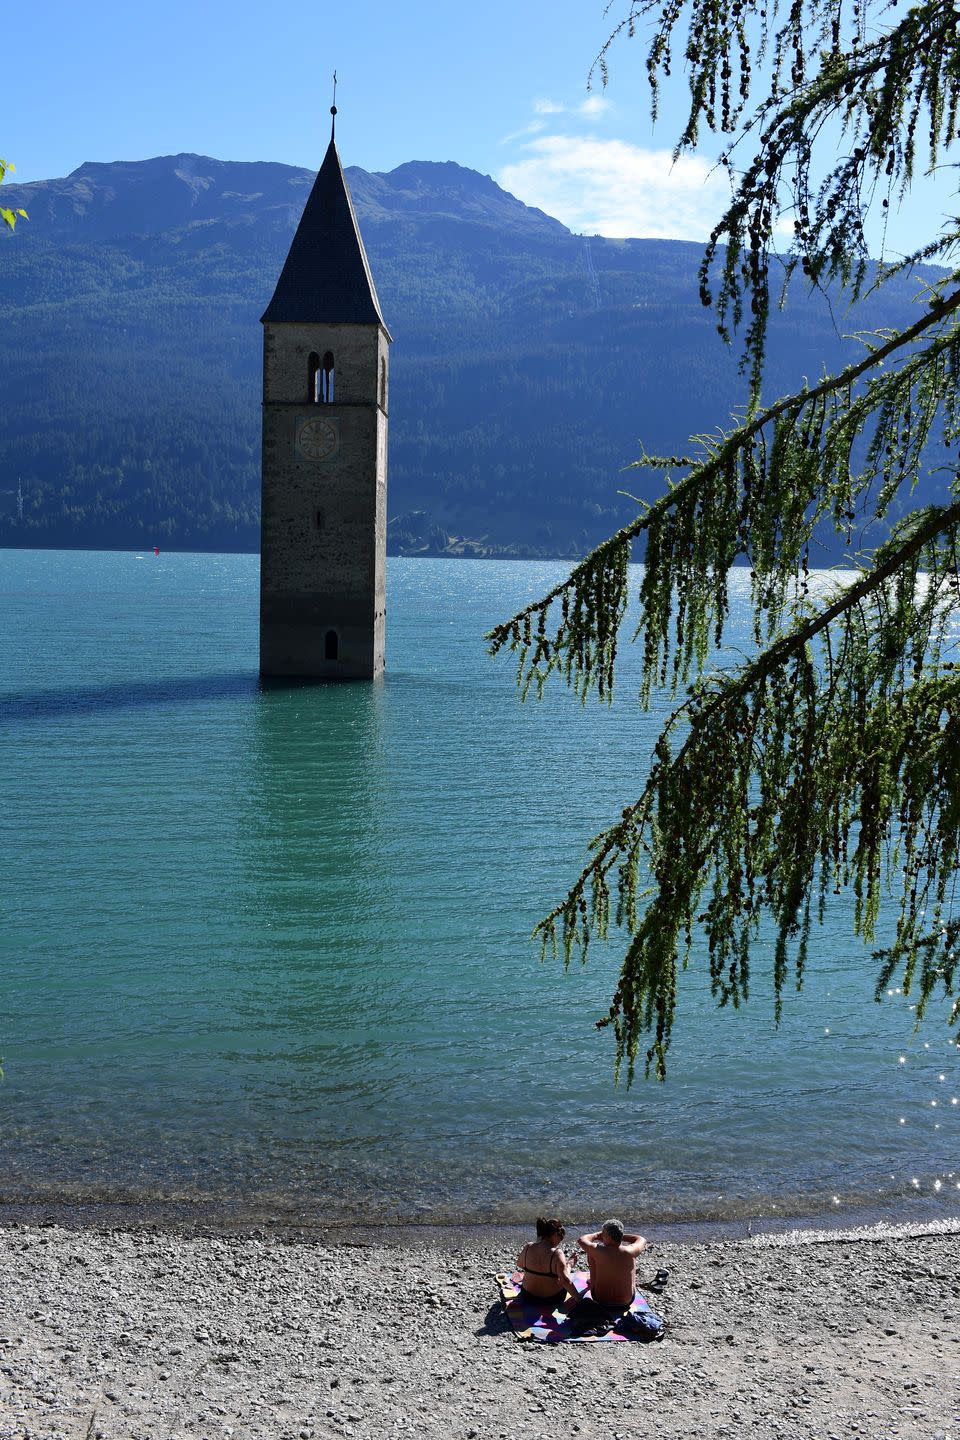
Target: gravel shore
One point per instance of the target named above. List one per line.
(116, 1335)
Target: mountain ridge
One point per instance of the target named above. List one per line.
(529, 366)
(150, 196)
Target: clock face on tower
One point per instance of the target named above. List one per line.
(319, 439)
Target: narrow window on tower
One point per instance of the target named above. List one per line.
(383, 384)
(331, 645)
(327, 379)
(313, 379)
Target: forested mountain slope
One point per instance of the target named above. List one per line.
(528, 363)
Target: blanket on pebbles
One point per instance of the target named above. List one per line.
(536, 1320)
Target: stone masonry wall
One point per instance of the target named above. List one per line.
(323, 545)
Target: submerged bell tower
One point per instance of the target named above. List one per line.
(324, 467)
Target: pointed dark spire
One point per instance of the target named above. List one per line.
(326, 276)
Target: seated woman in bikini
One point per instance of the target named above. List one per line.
(546, 1275)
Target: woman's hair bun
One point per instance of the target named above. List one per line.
(549, 1227)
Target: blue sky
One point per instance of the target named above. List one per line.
(500, 87)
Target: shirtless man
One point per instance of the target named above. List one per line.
(612, 1257)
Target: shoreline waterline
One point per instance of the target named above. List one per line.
(237, 1219)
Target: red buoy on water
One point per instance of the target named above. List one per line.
(156, 549)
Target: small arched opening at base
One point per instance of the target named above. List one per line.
(331, 645)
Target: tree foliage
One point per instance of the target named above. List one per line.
(8, 215)
(830, 761)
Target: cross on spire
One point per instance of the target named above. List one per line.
(333, 110)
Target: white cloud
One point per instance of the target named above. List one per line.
(548, 107)
(610, 187)
(534, 128)
(595, 105)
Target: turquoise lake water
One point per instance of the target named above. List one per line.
(273, 947)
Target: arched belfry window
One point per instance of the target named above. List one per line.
(331, 645)
(326, 378)
(313, 373)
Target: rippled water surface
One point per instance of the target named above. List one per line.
(274, 947)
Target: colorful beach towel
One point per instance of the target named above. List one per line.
(535, 1320)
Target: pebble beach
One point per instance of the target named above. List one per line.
(117, 1334)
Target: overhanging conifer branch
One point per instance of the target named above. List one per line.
(766, 751)
(587, 660)
(701, 711)
(830, 762)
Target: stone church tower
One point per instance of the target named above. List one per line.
(324, 476)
